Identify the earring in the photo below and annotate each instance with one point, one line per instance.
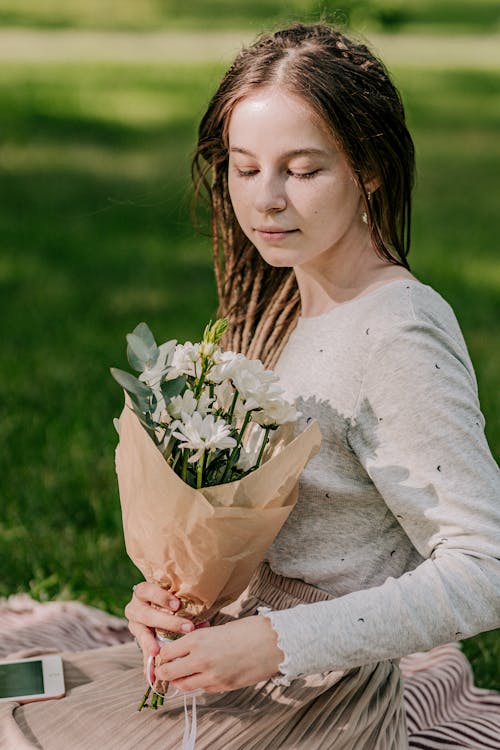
(364, 215)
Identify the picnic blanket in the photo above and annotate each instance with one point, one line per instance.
(444, 709)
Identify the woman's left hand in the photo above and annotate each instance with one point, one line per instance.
(223, 657)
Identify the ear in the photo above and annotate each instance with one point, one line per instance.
(371, 185)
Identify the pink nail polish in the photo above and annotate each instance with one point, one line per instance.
(187, 627)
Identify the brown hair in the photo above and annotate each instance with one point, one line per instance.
(351, 92)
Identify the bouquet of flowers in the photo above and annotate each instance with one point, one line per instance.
(204, 489)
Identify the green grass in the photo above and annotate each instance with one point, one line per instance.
(96, 236)
(418, 15)
(95, 231)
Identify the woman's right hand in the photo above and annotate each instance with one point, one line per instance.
(152, 607)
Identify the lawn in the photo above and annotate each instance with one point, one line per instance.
(392, 15)
(96, 236)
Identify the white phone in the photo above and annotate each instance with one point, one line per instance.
(36, 679)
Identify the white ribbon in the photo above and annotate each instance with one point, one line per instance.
(189, 739)
(190, 726)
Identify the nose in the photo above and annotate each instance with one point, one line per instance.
(270, 196)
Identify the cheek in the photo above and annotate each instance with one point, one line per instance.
(235, 194)
(331, 201)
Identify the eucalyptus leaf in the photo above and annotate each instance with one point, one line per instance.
(166, 351)
(143, 331)
(172, 388)
(144, 419)
(139, 354)
(167, 445)
(130, 383)
(141, 404)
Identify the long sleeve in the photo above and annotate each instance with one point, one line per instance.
(418, 433)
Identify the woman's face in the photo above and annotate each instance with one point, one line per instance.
(292, 191)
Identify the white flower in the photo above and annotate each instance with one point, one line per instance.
(253, 368)
(204, 402)
(186, 357)
(203, 434)
(226, 363)
(274, 412)
(255, 385)
(185, 403)
(253, 382)
(224, 395)
(209, 350)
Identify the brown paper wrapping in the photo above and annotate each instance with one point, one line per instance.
(203, 545)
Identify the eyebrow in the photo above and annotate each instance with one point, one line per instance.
(293, 152)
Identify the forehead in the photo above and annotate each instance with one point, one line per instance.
(275, 117)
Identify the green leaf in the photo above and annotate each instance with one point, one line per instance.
(143, 332)
(167, 445)
(139, 353)
(130, 383)
(144, 419)
(172, 388)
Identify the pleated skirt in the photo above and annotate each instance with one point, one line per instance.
(358, 709)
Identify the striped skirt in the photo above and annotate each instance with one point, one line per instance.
(359, 709)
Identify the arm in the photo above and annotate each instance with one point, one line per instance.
(418, 433)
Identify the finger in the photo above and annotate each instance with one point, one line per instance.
(177, 649)
(145, 614)
(155, 594)
(179, 669)
(146, 640)
(193, 682)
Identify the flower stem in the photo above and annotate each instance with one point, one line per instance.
(144, 701)
(199, 386)
(185, 457)
(233, 406)
(156, 701)
(199, 471)
(262, 447)
(232, 457)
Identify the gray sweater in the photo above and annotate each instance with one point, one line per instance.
(399, 514)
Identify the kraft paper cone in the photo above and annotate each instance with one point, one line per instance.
(203, 545)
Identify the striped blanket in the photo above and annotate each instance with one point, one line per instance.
(444, 709)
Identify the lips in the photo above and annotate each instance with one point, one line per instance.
(274, 233)
(272, 230)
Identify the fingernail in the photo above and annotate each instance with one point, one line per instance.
(187, 627)
(174, 604)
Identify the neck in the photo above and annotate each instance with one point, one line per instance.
(329, 281)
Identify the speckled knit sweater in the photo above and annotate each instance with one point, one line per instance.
(399, 514)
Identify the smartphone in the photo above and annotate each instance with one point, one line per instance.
(36, 679)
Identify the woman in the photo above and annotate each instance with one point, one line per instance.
(394, 544)
(396, 529)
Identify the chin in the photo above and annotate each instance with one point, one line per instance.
(278, 259)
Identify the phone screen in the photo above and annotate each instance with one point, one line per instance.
(21, 678)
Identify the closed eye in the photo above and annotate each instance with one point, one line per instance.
(246, 172)
(303, 175)
(290, 173)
